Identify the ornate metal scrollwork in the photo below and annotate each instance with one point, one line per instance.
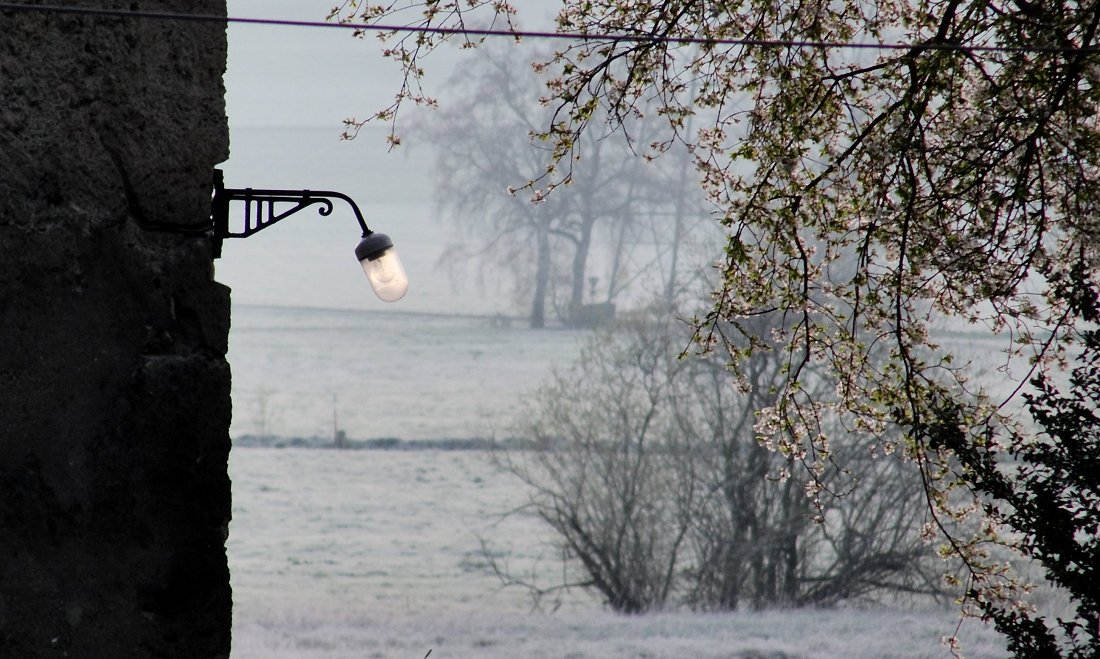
(260, 209)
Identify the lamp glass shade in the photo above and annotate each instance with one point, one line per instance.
(386, 275)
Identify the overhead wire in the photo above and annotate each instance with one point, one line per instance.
(536, 34)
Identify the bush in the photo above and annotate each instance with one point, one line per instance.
(647, 468)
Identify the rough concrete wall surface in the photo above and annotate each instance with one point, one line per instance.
(114, 389)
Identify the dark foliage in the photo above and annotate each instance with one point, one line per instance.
(1046, 489)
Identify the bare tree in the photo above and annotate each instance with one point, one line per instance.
(485, 151)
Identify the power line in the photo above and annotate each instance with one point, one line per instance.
(529, 34)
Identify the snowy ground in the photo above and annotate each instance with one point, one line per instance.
(375, 554)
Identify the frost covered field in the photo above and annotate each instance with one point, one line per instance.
(371, 554)
(383, 374)
(375, 554)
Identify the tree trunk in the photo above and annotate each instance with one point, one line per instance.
(580, 266)
(542, 276)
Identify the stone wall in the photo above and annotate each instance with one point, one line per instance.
(114, 389)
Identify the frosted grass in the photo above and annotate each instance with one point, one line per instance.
(375, 554)
(856, 635)
(384, 374)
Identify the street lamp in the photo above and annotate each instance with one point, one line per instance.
(375, 251)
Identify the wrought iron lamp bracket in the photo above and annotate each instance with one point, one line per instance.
(260, 209)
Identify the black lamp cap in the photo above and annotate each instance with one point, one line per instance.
(372, 246)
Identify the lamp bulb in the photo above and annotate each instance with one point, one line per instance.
(387, 276)
(382, 266)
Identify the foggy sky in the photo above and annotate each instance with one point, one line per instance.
(287, 93)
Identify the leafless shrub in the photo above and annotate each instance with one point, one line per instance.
(647, 467)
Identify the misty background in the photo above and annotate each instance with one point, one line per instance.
(298, 372)
(385, 554)
(353, 362)
(288, 91)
